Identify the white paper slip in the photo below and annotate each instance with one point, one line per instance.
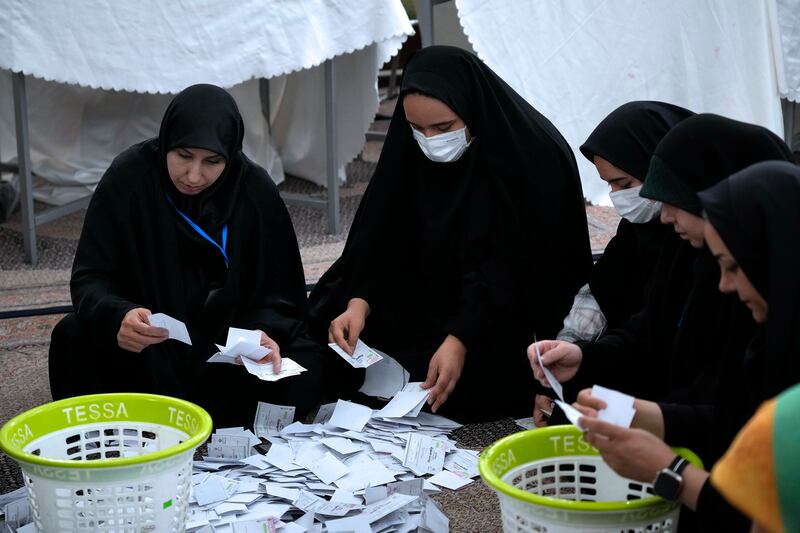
(363, 356)
(573, 415)
(551, 379)
(271, 419)
(266, 525)
(352, 524)
(352, 416)
(525, 423)
(244, 343)
(462, 462)
(346, 496)
(229, 507)
(310, 503)
(385, 378)
(403, 403)
(449, 480)
(433, 519)
(214, 489)
(324, 413)
(415, 386)
(341, 445)
(619, 406)
(379, 509)
(266, 371)
(424, 455)
(327, 468)
(177, 329)
(363, 475)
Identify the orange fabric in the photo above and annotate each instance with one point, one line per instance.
(745, 475)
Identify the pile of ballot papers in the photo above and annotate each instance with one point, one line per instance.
(352, 469)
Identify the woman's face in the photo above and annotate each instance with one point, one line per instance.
(430, 116)
(688, 226)
(617, 179)
(732, 278)
(193, 170)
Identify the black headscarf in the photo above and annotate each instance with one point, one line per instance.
(701, 151)
(757, 214)
(514, 196)
(205, 116)
(687, 327)
(627, 138)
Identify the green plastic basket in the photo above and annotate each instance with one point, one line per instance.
(550, 479)
(108, 462)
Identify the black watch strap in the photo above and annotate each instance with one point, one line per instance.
(678, 464)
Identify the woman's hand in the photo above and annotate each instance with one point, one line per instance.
(542, 410)
(560, 357)
(587, 404)
(274, 355)
(444, 371)
(648, 414)
(135, 332)
(632, 453)
(346, 328)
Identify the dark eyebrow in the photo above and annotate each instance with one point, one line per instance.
(437, 125)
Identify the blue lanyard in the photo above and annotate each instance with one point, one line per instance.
(203, 234)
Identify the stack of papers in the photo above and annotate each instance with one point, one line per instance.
(245, 345)
(352, 469)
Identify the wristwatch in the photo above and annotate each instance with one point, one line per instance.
(669, 481)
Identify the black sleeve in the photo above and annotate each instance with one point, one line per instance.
(487, 292)
(97, 271)
(278, 305)
(618, 360)
(688, 426)
(714, 513)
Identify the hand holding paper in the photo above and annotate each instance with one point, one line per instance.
(561, 359)
(247, 347)
(362, 357)
(347, 327)
(139, 329)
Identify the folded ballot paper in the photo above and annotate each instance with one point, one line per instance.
(246, 345)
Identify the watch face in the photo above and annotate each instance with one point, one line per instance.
(667, 485)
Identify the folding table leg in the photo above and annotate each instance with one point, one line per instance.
(24, 163)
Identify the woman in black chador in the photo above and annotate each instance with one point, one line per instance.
(185, 224)
(470, 238)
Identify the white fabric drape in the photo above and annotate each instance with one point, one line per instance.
(577, 60)
(151, 46)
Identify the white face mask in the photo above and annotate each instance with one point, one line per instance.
(633, 207)
(445, 147)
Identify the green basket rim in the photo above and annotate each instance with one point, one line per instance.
(494, 481)
(204, 430)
